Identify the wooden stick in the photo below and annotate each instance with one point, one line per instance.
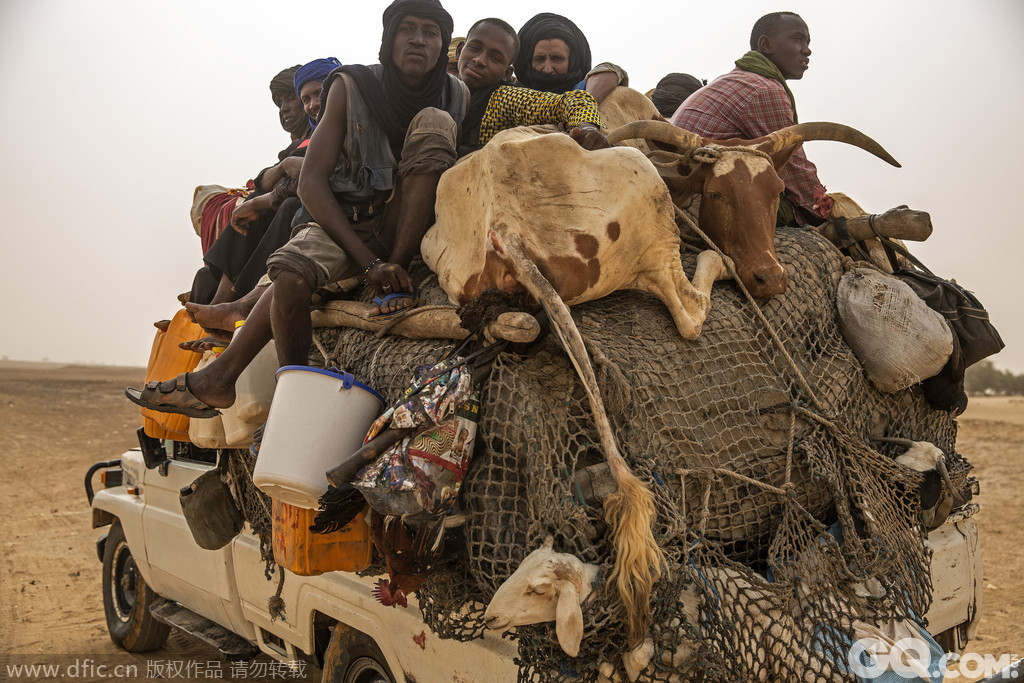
(899, 223)
(346, 471)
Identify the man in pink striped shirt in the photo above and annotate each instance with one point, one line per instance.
(754, 100)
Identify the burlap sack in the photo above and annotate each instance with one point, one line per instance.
(893, 333)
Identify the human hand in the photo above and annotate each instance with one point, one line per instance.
(291, 166)
(244, 214)
(589, 137)
(388, 278)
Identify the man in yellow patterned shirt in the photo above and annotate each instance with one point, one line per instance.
(485, 62)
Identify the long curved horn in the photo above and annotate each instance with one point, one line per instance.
(940, 465)
(819, 130)
(659, 131)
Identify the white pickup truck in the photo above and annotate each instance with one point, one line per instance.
(156, 577)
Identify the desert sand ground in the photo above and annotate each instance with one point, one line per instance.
(57, 420)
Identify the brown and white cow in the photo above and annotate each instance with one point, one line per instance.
(739, 186)
(534, 211)
(592, 222)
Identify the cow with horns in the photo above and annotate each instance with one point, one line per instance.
(739, 186)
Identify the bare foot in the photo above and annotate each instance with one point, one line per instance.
(218, 338)
(403, 300)
(220, 317)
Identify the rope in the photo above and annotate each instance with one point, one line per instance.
(708, 154)
(320, 348)
(789, 447)
(784, 491)
(405, 313)
(768, 327)
(275, 604)
(702, 523)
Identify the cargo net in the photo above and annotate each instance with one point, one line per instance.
(254, 505)
(785, 527)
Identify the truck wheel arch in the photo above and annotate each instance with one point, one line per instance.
(354, 657)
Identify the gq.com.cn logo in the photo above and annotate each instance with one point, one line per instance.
(912, 658)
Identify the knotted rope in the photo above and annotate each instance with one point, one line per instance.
(708, 154)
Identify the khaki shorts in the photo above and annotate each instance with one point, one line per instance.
(317, 259)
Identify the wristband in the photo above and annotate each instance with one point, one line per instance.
(374, 262)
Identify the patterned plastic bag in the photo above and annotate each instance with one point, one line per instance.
(423, 472)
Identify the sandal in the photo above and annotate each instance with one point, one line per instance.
(381, 300)
(178, 400)
(257, 440)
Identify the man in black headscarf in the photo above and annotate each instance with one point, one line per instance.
(672, 90)
(293, 118)
(386, 134)
(554, 56)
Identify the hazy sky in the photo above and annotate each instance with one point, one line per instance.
(116, 109)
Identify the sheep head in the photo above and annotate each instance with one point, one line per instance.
(930, 461)
(547, 586)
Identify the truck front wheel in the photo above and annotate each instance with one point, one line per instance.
(127, 598)
(353, 657)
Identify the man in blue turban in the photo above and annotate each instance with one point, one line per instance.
(309, 79)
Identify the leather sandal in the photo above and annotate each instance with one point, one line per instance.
(178, 400)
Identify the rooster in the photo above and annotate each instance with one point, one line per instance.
(385, 596)
(409, 555)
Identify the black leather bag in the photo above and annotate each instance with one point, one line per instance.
(974, 335)
(210, 510)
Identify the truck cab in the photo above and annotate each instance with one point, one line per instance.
(156, 577)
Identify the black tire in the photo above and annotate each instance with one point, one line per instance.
(353, 657)
(127, 599)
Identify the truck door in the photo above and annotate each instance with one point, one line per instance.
(200, 580)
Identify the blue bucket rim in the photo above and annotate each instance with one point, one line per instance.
(333, 374)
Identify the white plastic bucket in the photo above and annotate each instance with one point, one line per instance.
(317, 419)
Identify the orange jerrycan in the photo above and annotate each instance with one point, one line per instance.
(302, 552)
(167, 361)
